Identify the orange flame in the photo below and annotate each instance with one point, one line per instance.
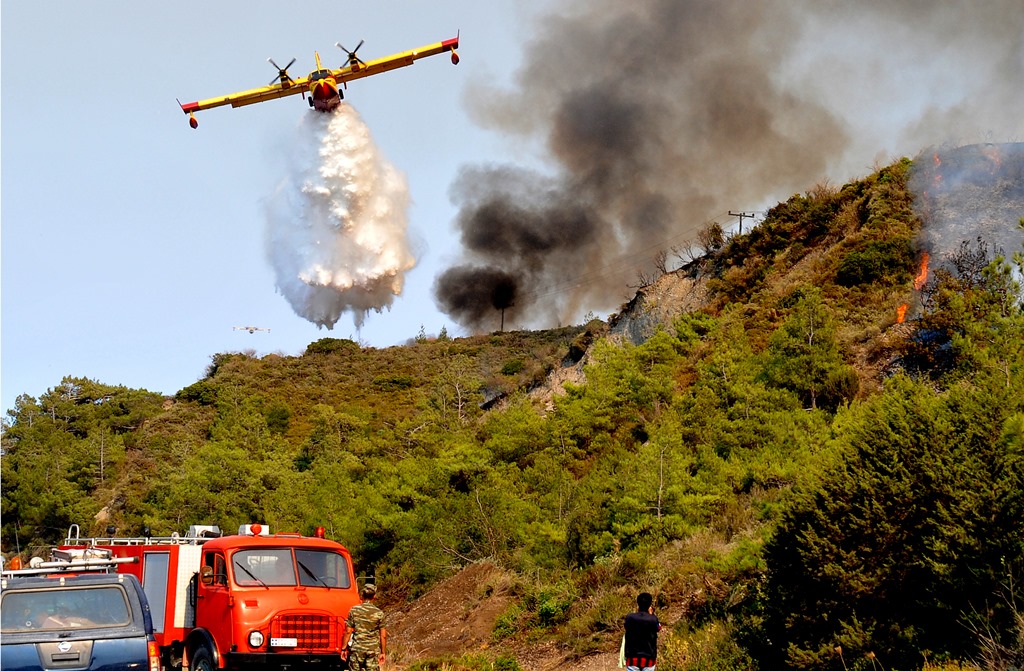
(919, 282)
(922, 274)
(993, 155)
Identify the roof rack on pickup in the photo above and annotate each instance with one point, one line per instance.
(71, 561)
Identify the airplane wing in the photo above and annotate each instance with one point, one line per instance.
(291, 88)
(395, 61)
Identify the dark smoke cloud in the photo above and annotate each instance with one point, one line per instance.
(474, 294)
(658, 116)
(527, 231)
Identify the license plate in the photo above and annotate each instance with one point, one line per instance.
(284, 642)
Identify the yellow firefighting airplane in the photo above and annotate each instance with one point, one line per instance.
(322, 84)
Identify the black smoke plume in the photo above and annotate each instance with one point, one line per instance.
(656, 117)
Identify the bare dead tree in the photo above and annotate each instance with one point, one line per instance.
(823, 191)
(686, 252)
(711, 237)
(661, 261)
(643, 279)
(682, 252)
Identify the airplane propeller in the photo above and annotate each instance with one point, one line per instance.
(353, 60)
(282, 73)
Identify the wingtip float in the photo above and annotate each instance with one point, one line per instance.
(323, 85)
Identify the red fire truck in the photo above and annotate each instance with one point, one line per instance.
(251, 600)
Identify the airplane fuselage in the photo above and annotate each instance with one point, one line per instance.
(323, 91)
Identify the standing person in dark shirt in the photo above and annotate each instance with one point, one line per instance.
(641, 640)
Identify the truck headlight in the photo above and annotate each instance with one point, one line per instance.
(255, 639)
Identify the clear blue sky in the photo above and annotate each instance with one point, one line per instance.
(132, 244)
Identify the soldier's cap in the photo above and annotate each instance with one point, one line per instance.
(369, 590)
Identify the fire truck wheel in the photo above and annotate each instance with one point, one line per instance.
(202, 660)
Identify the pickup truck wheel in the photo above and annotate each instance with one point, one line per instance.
(202, 660)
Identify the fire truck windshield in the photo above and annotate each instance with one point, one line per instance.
(270, 567)
(319, 568)
(264, 567)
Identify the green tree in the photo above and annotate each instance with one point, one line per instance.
(62, 454)
(915, 525)
(456, 392)
(332, 433)
(803, 355)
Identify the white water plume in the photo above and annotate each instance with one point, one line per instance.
(336, 225)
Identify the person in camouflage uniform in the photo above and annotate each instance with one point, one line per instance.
(367, 637)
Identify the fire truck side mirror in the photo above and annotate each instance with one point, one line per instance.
(206, 575)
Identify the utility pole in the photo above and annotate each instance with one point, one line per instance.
(503, 315)
(742, 216)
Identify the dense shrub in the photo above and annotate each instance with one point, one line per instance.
(329, 345)
(888, 261)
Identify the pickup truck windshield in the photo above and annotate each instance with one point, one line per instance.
(71, 608)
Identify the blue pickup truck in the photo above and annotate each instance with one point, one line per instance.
(77, 622)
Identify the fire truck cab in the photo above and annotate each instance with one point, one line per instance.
(249, 600)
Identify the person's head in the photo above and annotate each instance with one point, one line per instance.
(369, 591)
(643, 601)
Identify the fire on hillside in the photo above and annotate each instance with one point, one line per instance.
(967, 193)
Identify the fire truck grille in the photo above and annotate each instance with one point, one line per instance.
(313, 632)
